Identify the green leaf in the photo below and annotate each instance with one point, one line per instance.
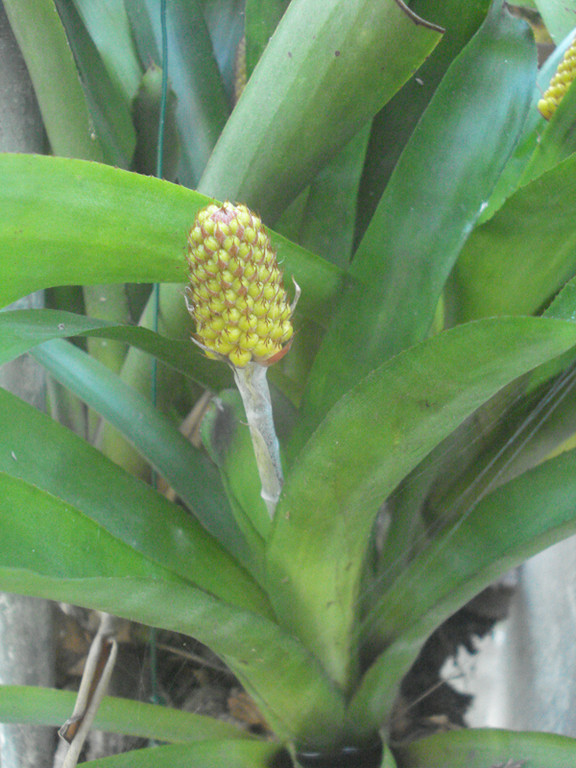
(262, 17)
(109, 107)
(513, 432)
(187, 469)
(558, 16)
(21, 330)
(44, 534)
(224, 754)
(516, 261)
(330, 212)
(107, 24)
(482, 747)
(126, 508)
(146, 109)
(202, 107)
(532, 130)
(53, 72)
(367, 444)
(67, 222)
(446, 172)
(46, 706)
(327, 70)
(225, 19)
(395, 123)
(504, 529)
(55, 552)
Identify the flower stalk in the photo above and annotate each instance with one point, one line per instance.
(242, 316)
(253, 387)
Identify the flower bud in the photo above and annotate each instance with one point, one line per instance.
(236, 295)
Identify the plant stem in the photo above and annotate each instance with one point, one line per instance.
(95, 678)
(253, 387)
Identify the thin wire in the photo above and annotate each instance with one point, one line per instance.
(155, 696)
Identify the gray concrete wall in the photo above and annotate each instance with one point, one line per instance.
(540, 647)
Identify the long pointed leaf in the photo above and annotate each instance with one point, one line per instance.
(330, 213)
(395, 123)
(508, 526)
(49, 549)
(187, 469)
(128, 509)
(478, 748)
(108, 26)
(49, 60)
(109, 108)
(262, 17)
(202, 107)
(21, 330)
(327, 70)
(46, 706)
(514, 174)
(368, 442)
(428, 209)
(516, 261)
(224, 754)
(67, 222)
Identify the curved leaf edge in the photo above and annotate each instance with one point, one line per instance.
(51, 707)
(377, 690)
(480, 747)
(207, 754)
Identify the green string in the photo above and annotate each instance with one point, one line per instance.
(155, 696)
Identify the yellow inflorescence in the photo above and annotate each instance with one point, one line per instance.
(236, 294)
(559, 84)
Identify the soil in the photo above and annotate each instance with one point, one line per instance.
(429, 704)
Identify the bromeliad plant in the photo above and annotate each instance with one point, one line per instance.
(430, 214)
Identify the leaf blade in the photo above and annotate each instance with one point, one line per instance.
(368, 442)
(516, 261)
(500, 532)
(188, 471)
(227, 754)
(129, 510)
(490, 747)
(56, 552)
(22, 330)
(47, 706)
(49, 60)
(68, 222)
(427, 210)
(326, 71)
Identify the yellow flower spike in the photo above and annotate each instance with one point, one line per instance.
(559, 84)
(234, 274)
(242, 315)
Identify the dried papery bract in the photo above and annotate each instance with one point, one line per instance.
(242, 315)
(559, 84)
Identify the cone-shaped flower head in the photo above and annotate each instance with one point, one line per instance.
(236, 295)
(559, 84)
